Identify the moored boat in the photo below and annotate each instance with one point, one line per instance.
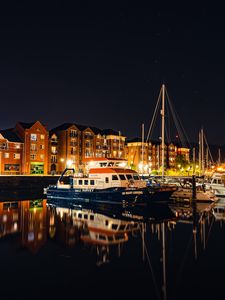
(187, 194)
(217, 184)
(107, 181)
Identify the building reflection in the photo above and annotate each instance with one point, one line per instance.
(105, 230)
(27, 218)
(33, 224)
(10, 218)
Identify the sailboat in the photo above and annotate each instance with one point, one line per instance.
(166, 189)
(177, 193)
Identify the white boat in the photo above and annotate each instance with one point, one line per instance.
(217, 184)
(107, 181)
(201, 195)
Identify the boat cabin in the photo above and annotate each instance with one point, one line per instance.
(104, 174)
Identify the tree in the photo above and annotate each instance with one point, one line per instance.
(181, 162)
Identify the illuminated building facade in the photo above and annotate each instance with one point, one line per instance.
(146, 157)
(11, 153)
(71, 144)
(35, 147)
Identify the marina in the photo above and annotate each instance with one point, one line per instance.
(112, 152)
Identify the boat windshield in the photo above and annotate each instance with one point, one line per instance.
(136, 177)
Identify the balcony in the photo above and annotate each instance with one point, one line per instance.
(54, 152)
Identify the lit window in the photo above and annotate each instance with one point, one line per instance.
(53, 148)
(42, 156)
(42, 146)
(33, 147)
(33, 156)
(33, 137)
(6, 155)
(42, 136)
(16, 155)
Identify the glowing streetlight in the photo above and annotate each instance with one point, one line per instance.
(69, 163)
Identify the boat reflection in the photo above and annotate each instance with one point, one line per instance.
(219, 210)
(108, 233)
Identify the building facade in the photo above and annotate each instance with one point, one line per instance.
(35, 147)
(71, 144)
(147, 157)
(11, 153)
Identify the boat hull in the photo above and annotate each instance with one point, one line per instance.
(113, 196)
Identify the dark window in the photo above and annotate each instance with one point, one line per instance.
(114, 177)
(85, 182)
(107, 180)
(92, 218)
(129, 176)
(114, 226)
(92, 182)
(122, 177)
(80, 182)
(122, 227)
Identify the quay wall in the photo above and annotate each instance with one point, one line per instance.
(20, 182)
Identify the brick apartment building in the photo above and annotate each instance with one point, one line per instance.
(35, 150)
(150, 158)
(11, 152)
(74, 143)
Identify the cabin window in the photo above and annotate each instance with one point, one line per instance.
(122, 227)
(107, 180)
(85, 217)
(85, 182)
(106, 222)
(103, 164)
(136, 177)
(119, 237)
(80, 182)
(122, 177)
(92, 182)
(102, 237)
(80, 216)
(129, 176)
(219, 181)
(114, 226)
(110, 238)
(110, 164)
(92, 218)
(114, 177)
(75, 182)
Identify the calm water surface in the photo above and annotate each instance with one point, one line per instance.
(165, 251)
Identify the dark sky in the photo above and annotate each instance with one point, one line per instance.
(104, 65)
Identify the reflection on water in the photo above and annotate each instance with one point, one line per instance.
(158, 246)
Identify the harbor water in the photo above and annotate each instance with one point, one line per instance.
(68, 250)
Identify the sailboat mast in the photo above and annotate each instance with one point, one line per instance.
(142, 142)
(200, 154)
(219, 157)
(202, 149)
(194, 161)
(163, 127)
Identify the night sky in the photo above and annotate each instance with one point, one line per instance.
(104, 65)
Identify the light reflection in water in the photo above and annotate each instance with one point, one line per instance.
(107, 232)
